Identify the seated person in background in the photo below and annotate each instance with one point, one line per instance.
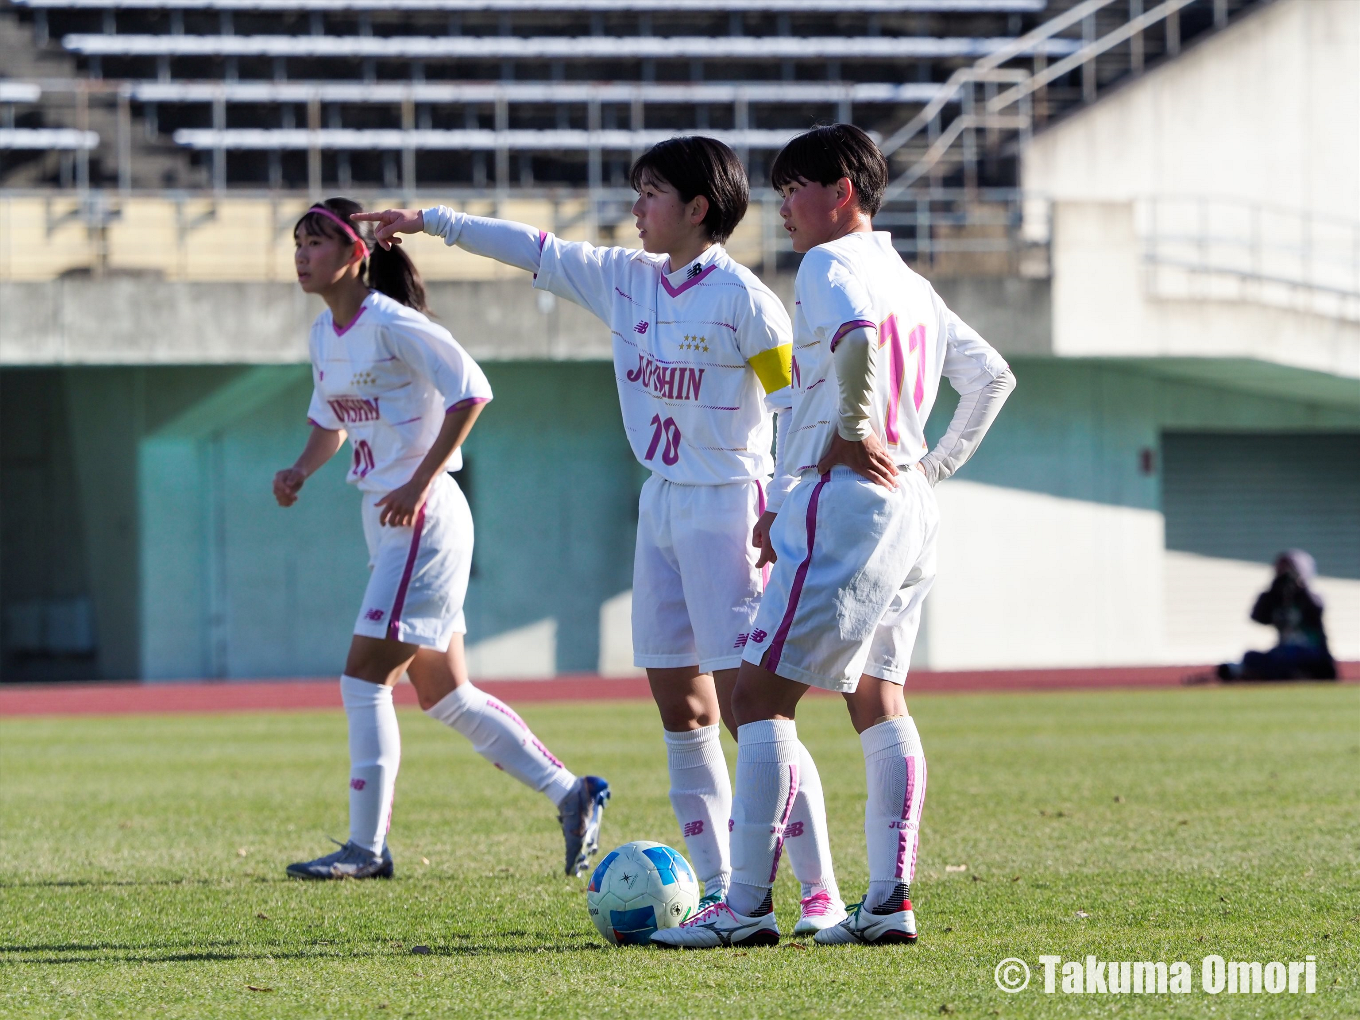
(1295, 610)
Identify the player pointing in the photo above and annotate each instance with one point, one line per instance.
(406, 395)
(701, 358)
(856, 538)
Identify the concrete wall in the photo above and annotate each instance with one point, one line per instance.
(1071, 567)
(138, 321)
(1265, 111)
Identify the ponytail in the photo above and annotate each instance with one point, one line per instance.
(389, 271)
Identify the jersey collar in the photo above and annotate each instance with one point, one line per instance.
(692, 272)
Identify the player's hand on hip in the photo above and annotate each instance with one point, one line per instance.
(400, 506)
(391, 222)
(868, 457)
(287, 484)
(760, 538)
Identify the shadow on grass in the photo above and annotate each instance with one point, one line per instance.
(130, 954)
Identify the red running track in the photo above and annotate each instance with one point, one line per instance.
(275, 695)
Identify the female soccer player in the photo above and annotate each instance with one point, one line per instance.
(406, 394)
(701, 358)
(856, 541)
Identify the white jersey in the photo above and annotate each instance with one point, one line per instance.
(698, 353)
(857, 281)
(388, 379)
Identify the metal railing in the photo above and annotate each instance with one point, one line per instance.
(1234, 250)
(1006, 103)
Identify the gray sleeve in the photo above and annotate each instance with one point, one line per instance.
(972, 418)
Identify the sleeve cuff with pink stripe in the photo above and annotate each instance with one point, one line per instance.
(847, 327)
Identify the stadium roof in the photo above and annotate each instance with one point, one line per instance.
(774, 47)
(568, 6)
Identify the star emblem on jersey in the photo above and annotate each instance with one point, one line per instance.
(694, 343)
(363, 379)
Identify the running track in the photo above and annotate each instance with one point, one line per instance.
(274, 695)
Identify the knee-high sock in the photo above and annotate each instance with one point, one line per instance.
(701, 794)
(768, 754)
(374, 757)
(500, 736)
(805, 837)
(895, 769)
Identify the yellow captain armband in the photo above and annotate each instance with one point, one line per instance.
(774, 367)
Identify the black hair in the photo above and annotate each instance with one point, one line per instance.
(826, 154)
(694, 165)
(389, 271)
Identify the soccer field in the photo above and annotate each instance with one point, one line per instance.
(143, 861)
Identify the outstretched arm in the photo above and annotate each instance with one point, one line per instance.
(515, 244)
(321, 446)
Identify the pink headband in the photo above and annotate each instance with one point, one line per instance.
(353, 235)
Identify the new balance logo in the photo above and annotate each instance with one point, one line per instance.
(694, 271)
(741, 640)
(793, 829)
(758, 636)
(357, 784)
(693, 829)
(641, 327)
(374, 615)
(731, 824)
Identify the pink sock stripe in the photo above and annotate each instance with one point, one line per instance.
(506, 710)
(784, 820)
(902, 832)
(848, 327)
(916, 814)
(394, 625)
(782, 633)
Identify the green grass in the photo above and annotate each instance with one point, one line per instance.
(141, 865)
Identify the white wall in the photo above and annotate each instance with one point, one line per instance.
(1267, 111)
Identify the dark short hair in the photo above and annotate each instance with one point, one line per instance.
(693, 166)
(826, 154)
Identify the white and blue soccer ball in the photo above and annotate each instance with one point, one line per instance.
(638, 888)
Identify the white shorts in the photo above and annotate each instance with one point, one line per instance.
(856, 562)
(419, 574)
(695, 582)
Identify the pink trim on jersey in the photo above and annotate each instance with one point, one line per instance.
(847, 327)
(342, 330)
(394, 625)
(542, 240)
(467, 402)
(799, 577)
(692, 281)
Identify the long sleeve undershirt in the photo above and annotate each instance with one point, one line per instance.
(855, 370)
(972, 418)
(782, 483)
(515, 244)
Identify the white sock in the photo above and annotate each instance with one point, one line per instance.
(805, 837)
(374, 757)
(895, 769)
(504, 739)
(701, 794)
(768, 753)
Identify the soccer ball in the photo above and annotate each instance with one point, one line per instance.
(639, 888)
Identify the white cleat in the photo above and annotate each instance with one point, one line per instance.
(890, 922)
(719, 925)
(819, 911)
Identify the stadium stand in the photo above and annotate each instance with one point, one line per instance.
(520, 96)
